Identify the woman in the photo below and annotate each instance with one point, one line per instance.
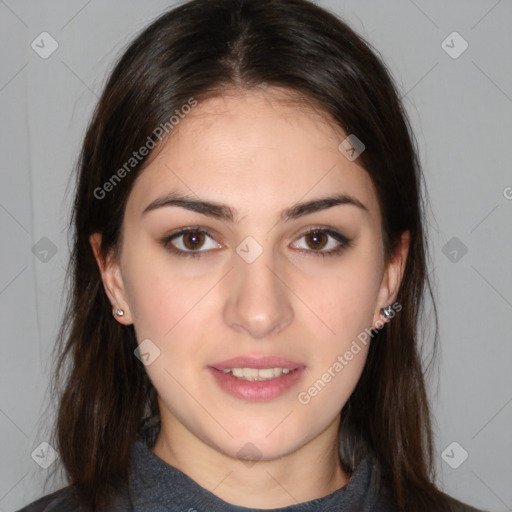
(247, 274)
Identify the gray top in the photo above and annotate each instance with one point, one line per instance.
(156, 486)
(159, 487)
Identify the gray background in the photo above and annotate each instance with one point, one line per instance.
(461, 113)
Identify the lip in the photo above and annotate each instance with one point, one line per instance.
(256, 391)
(257, 362)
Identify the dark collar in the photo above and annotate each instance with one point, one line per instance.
(156, 485)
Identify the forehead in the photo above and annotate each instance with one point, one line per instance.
(256, 150)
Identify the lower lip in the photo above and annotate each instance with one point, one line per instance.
(256, 390)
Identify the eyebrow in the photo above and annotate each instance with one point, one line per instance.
(224, 212)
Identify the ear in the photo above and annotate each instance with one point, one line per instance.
(392, 278)
(112, 280)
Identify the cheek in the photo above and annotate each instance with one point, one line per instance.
(151, 302)
(161, 297)
(345, 301)
(164, 312)
(177, 314)
(339, 358)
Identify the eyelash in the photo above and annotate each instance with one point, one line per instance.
(345, 242)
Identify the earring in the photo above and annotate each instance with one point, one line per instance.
(388, 312)
(119, 312)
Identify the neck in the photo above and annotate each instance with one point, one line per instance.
(310, 472)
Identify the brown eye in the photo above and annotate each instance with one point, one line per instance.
(190, 242)
(318, 240)
(324, 242)
(193, 240)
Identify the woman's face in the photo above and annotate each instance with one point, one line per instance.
(248, 288)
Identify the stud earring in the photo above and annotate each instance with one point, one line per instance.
(118, 312)
(388, 312)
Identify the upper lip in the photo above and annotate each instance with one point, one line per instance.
(257, 362)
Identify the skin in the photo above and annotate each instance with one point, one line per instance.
(259, 153)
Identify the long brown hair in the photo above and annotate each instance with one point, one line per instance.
(197, 50)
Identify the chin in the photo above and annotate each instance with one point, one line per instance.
(268, 446)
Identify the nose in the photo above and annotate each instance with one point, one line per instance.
(258, 302)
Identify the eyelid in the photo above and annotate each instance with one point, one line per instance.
(343, 241)
(329, 231)
(166, 240)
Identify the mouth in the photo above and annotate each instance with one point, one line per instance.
(257, 379)
(257, 374)
(260, 363)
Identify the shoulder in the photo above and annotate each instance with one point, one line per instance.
(385, 502)
(458, 506)
(57, 501)
(64, 500)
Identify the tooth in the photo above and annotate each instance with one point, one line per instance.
(255, 374)
(238, 372)
(267, 373)
(250, 373)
